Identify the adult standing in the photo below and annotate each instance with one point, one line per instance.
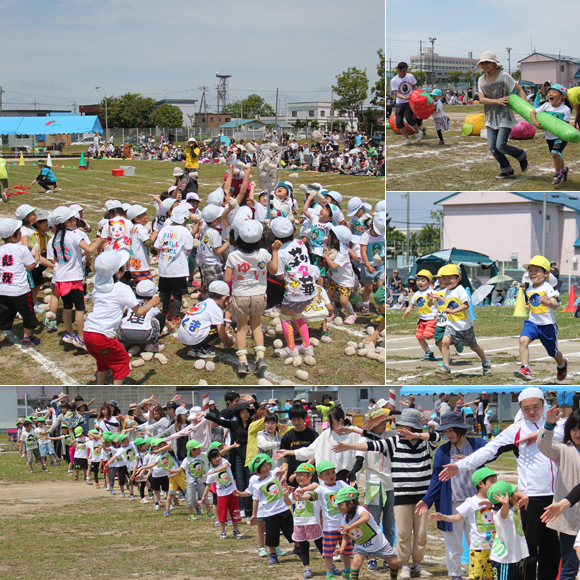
(96, 142)
(105, 420)
(555, 271)
(171, 137)
(438, 404)
(395, 283)
(403, 85)
(495, 86)
(536, 473)
(192, 156)
(480, 406)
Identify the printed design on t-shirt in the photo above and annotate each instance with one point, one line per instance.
(453, 303)
(359, 227)
(362, 534)
(316, 305)
(68, 439)
(166, 462)
(118, 236)
(223, 479)
(518, 522)
(130, 454)
(80, 444)
(331, 503)
(169, 247)
(31, 440)
(499, 548)
(484, 522)
(377, 249)
(196, 469)
(404, 88)
(60, 256)
(97, 449)
(303, 509)
(272, 491)
(189, 322)
(535, 306)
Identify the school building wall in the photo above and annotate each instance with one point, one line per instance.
(539, 69)
(123, 395)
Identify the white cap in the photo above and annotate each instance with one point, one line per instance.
(531, 393)
(290, 185)
(191, 139)
(186, 205)
(251, 231)
(282, 227)
(212, 402)
(112, 204)
(354, 204)
(216, 197)
(381, 403)
(171, 189)
(135, 211)
(344, 236)
(126, 206)
(179, 214)
(334, 195)
(181, 411)
(379, 224)
(177, 172)
(195, 410)
(8, 226)
(76, 207)
(61, 214)
(242, 215)
(192, 195)
(146, 288)
(210, 213)
(107, 264)
(166, 205)
(219, 287)
(381, 207)
(23, 210)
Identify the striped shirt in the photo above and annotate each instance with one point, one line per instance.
(410, 465)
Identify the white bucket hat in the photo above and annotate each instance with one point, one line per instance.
(219, 287)
(146, 288)
(251, 231)
(354, 204)
(107, 265)
(282, 227)
(112, 204)
(193, 196)
(210, 213)
(334, 195)
(8, 226)
(216, 197)
(61, 214)
(23, 210)
(344, 236)
(166, 205)
(177, 172)
(179, 214)
(488, 56)
(135, 211)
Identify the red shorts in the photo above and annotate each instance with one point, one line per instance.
(229, 503)
(425, 328)
(109, 354)
(105, 466)
(329, 541)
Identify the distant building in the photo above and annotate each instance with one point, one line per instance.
(187, 107)
(244, 129)
(540, 67)
(442, 65)
(211, 122)
(318, 111)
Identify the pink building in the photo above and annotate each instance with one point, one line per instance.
(508, 226)
(541, 67)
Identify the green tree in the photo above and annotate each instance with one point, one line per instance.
(454, 77)
(378, 91)
(128, 111)
(167, 116)
(251, 107)
(517, 74)
(351, 91)
(430, 234)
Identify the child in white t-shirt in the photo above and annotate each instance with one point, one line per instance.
(246, 268)
(81, 456)
(139, 264)
(320, 308)
(195, 468)
(211, 246)
(372, 252)
(439, 117)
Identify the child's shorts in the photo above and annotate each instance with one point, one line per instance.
(177, 286)
(228, 503)
(307, 533)
(72, 294)
(441, 123)
(557, 146)
(425, 328)
(298, 306)
(80, 463)
(24, 305)
(177, 481)
(380, 295)
(547, 334)
(387, 552)
(466, 337)
(109, 354)
(140, 276)
(160, 483)
(366, 277)
(329, 541)
(46, 448)
(194, 493)
(480, 564)
(514, 571)
(340, 290)
(282, 522)
(211, 273)
(242, 306)
(32, 454)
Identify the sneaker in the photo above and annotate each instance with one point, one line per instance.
(502, 175)
(4, 197)
(44, 469)
(486, 368)
(32, 471)
(280, 552)
(38, 309)
(346, 574)
(97, 486)
(108, 488)
(29, 341)
(193, 352)
(332, 316)
(444, 370)
(144, 500)
(68, 338)
(196, 283)
(157, 507)
(207, 352)
(563, 372)
(191, 518)
(419, 136)
(79, 342)
(335, 570)
(428, 356)
(285, 352)
(307, 573)
(243, 368)
(166, 513)
(198, 511)
(223, 536)
(122, 494)
(209, 515)
(372, 566)
(459, 347)
(113, 492)
(407, 142)
(564, 174)
(262, 552)
(151, 496)
(261, 365)
(524, 167)
(306, 350)
(237, 534)
(441, 143)
(350, 319)
(89, 482)
(155, 347)
(131, 497)
(216, 523)
(557, 179)
(50, 324)
(48, 191)
(273, 559)
(366, 308)
(405, 572)
(171, 506)
(523, 373)
(418, 572)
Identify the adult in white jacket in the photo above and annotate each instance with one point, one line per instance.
(321, 448)
(536, 477)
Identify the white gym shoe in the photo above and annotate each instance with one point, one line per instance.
(285, 352)
(407, 142)
(155, 347)
(418, 572)
(419, 135)
(405, 572)
(306, 350)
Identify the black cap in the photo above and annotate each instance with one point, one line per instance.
(171, 405)
(114, 403)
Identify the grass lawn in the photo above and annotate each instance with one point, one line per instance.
(106, 536)
(464, 163)
(91, 189)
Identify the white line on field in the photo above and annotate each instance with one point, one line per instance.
(49, 365)
(358, 333)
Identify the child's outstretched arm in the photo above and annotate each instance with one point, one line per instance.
(273, 263)
(437, 517)
(409, 309)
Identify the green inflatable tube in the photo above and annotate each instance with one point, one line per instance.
(556, 126)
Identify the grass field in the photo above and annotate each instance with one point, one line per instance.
(497, 331)
(464, 163)
(57, 363)
(106, 536)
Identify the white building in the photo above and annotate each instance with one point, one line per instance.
(317, 111)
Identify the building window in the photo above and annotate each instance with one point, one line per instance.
(311, 113)
(363, 394)
(322, 113)
(295, 114)
(228, 119)
(211, 119)
(547, 224)
(561, 68)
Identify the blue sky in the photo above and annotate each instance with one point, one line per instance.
(422, 202)
(57, 52)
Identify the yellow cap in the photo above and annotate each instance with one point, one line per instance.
(539, 261)
(425, 274)
(449, 270)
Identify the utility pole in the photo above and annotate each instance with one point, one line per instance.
(509, 60)
(544, 224)
(408, 196)
(421, 55)
(1, 93)
(276, 115)
(432, 41)
(331, 109)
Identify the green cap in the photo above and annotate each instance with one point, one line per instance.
(94, 431)
(481, 474)
(500, 487)
(139, 441)
(306, 468)
(41, 419)
(192, 444)
(324, 465)
(30, 418)
(149, 440)
(122, 437)
(214, 445)
(258, 461)
(345, 494)
(78, 431)
(107, 436)
(157, 441)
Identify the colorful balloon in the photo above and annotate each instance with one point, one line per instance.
(523, 130)
(422, 104)
(477, 121)
(392, 124)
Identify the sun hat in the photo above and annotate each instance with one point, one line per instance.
(121, 437)
(410, 418)
(284, 186)
(166, 205)
(374, 417)
(425, 274)
(41, 419)
(192, 444)
(344, 236)
(531, 393)
(251, 231)
(381, 207)
(196, 409)
(216, 197)
(219, 287)
(171, 189)
(379, 224)
(258, 461)
(539, 261)
(179, 214)
(324, 465)
(487, 56)
(282, 227)
(305, 468)
(177, 172)
(354, 204)
(107, 265)
(290, 185)
(126, 206)
(450, 420)
(42, 214)
(78, 431)
(314, 271)
(8, 226)
(436, 92)
(139, 441)
(76, 207)
(243, 215)
(212, 402)
(135, 211)
(193, 196)
(561, 88)
(112, 204)
(146, 288)
(345, 494)
(334, 195)
(481, 474)
(449, 270)
(500, 487)
(210, 213)
(61, 214)
(23, 210)
(180, 411)
(191, 139)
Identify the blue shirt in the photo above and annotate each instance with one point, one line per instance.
(46, 172)
(358, 140)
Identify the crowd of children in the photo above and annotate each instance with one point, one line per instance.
(303, 264)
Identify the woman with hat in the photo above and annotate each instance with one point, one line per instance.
(495, 86)
(448, 495)
(192, 156)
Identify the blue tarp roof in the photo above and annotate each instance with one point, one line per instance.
(50, 125)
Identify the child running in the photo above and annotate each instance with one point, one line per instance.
(439, 117)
